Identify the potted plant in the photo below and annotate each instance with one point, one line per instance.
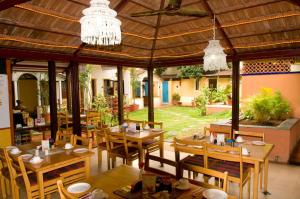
(175, 98)
(100, 104)
(44, 96)
(134, 85)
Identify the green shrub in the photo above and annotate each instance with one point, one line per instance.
(176, 97)
(267, 105)
(201, 101)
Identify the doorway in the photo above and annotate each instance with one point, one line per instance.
(165, 92)
(28, 91)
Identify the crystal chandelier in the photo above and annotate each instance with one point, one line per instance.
(214, 56)
(99, 25)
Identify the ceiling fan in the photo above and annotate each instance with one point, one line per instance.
(173, 8)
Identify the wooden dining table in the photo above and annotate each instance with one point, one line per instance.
(258, 156)
(144, 135)
(56, 159)
(125, 175)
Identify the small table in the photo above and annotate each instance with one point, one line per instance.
(258, 155)
(53, 162)
(122, 176)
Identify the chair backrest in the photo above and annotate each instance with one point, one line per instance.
(63, 137)
(160, 160)
(3, 162)
(227, 133)
(255, 135)
(63, 193)
(93, 118)
(25, 176)
(221, 177)
(85, 141)
(206, 131)
(153, 124)
(114, 140)
(141, 122)
(225, 153)
(12, 166)
(195, 147)
(62, 118)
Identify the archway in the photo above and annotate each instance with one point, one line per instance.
(28, 91)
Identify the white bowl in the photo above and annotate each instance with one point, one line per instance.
(214, 194)
(80, 150)
(35, 160)
(80, 187)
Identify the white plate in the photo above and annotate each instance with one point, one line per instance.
(182, 187)
(11, 147)
(258, 143)
(16, 152)
(26, 156)
(68, 148)
(37, 162)
(156, 130)
(81, 150)
(79, 188)
(214, 194)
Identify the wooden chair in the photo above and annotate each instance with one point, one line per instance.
(206, 131)
(92, 122)
(193, 147)
(152, 145)
(117, 146)
(62, 138)
(222, 177)
(64, 125)
(4, 175)
(30, 181)
(63, 193)
(101, 143)
(227, 133)
(229, 159)
(76, 172)
(87, 142)
(253, 136)
(159, 171)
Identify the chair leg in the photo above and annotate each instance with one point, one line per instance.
(129, 162)
(261, 179)
(108, 162)
(249, 187)
(124, 160)
(99, 157)
(3, 190)
(189, 174)
(241, 190)
(7, 185)
(113, 163)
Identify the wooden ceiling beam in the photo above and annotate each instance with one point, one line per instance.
(239, 7)
(141, 4)
(121, 5)
(219, 25)
(5, 4)
(29, 54)
(136, 21)
(295, 2)
(162, 3)
(79, 2)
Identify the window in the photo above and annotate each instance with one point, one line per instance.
(212, 83)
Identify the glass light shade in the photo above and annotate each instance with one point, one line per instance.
(99, 25)
(214, 57)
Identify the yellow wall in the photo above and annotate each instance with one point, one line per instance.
(5, 137)
(187, 87)
(28, 94)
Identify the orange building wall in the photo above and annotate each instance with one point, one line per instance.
(287, 84)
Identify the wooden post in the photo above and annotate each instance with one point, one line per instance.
(52, 97)
(235, 95)
(68, 88)
(150, 95)
(75, 98)
(120, 95)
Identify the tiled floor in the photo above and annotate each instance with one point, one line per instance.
(284, 180)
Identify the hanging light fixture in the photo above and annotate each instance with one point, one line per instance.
(99, 25)
(214, 56)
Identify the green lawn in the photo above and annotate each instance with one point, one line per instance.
(180, 121)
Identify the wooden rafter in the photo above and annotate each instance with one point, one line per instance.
(162, 3)
(10, 3)
(136, 20)
(120, 5)
(77, 51)
(218, 24)
(142, 4)
(79, 2)
(295, 2)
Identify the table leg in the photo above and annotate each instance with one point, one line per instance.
(40, 180)
(87, 167)
(141, 153)
(255, 180)
(161, 146)
(266, 170)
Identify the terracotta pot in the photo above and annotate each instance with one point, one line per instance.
(133, 107)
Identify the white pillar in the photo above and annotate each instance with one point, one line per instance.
(60, 92)
(16, 90)
(39, 91)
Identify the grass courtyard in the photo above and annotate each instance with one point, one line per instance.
(180, 121)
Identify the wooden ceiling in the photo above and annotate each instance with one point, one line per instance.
(50, 30)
